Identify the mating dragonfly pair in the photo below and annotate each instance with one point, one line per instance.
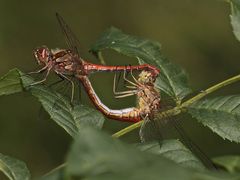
(67, 63)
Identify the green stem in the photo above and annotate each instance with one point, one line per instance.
(100, 57)
(178, 109)
(55, 169)
(127, 129)
(210, 90)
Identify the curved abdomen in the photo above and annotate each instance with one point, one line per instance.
(128, 114)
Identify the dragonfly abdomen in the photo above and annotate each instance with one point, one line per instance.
(128, 114)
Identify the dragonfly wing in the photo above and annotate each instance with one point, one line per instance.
(193, 147)
(158, 129)
(71, 39)
(149, 131)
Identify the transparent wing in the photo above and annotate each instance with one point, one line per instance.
(153, 129)
(191, 145)
(71, 39)
(156, 129)
(150, 131)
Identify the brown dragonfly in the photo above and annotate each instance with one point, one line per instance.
(149, 102)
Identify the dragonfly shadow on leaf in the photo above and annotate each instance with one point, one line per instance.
(63, 88)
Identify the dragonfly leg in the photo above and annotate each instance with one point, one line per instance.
(130, 87)
(72, 84)
(130, 82)
(38, 71)
(44, 79)
(122, 92)
(125, 95)
(134, 77)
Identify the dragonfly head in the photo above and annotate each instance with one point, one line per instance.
(146, 77)
(42, 55)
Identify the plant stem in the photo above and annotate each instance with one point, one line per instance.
(210, 90)
(178, 109)
(127, 129)
(55, 169)
(100, 57)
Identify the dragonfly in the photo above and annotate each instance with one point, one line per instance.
(149, 102)
(67, 63)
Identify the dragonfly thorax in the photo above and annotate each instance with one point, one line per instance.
(65, 62)
(148, 96)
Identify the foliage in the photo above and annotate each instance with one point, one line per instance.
(95, 155)
(174, 150)
(229, 162)
(172, 79)
(220, 114)
(13, 168)
(235, 18)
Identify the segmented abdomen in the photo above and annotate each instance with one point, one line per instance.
(128, 114)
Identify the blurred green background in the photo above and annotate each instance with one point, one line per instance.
(195, 34)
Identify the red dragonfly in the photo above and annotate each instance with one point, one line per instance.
(67, 62)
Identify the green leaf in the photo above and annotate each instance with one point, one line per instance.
(86, 116)
(10, 83)
(220, 114)
(95, 155)
(70, 118)
(13, 168)
(230, 162)
(173, 150)
(235, 18)
(172, 79)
